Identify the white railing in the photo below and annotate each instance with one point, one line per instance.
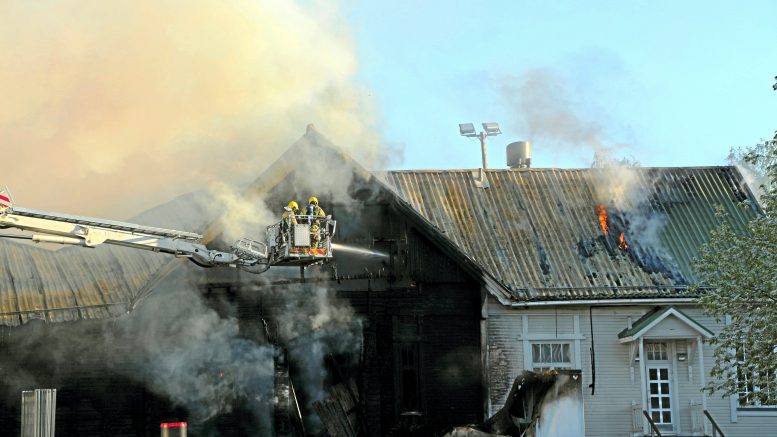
(697, 417)
(636, 419)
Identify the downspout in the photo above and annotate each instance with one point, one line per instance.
(592, 385)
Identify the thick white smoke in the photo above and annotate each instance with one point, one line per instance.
(314, 325)
(196, 358)
(112, 107)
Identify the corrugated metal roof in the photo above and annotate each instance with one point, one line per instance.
(71, 283)
(537, 231)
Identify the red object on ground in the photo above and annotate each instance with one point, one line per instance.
(173, 425)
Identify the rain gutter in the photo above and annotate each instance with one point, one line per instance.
(603, 302)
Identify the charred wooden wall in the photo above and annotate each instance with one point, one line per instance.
(424, 299)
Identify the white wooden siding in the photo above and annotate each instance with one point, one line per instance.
(505, 357)
(550, 324)
(608, 410)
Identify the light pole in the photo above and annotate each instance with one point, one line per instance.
(489, 130)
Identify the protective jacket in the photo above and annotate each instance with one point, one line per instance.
(315, 211)
(289, 217)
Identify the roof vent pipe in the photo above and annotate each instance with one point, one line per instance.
(519, 154)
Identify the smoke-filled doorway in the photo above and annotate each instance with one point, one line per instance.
(540, 404)
(546, 404)
(561, 411)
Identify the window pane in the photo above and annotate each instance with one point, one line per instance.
(653, 374)
(665, 388)
(551, 355)
(653, 388)
(666, 402)
(409, 390)
(656, 351)
(664, 374)
(556, 348)
(667, 416)
(654, 402)
(656, 416)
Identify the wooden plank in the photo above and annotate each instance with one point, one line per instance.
(338, 413)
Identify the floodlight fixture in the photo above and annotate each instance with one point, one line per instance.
(467, 130)
(491, 128)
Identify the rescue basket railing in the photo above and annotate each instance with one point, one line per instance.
(310, 238)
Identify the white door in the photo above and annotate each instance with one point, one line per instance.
(660, 397)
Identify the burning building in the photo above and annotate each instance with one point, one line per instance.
(444, 293)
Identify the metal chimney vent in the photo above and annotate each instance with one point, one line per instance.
(519, 154)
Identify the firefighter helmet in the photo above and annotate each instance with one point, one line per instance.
(293, 205)
(313, 200)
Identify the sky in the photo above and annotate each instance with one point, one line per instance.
(664, 83)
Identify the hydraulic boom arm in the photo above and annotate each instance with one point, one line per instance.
(52, 227)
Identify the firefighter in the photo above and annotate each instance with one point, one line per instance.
(289, 218)
(313, 208)
(316, 213)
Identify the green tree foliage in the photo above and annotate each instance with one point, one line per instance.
(741, 270)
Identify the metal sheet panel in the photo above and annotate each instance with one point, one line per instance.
(302, 235)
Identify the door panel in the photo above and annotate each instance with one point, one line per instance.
(660, 397)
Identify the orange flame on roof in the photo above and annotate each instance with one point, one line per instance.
(603, 218)
(622, 244)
